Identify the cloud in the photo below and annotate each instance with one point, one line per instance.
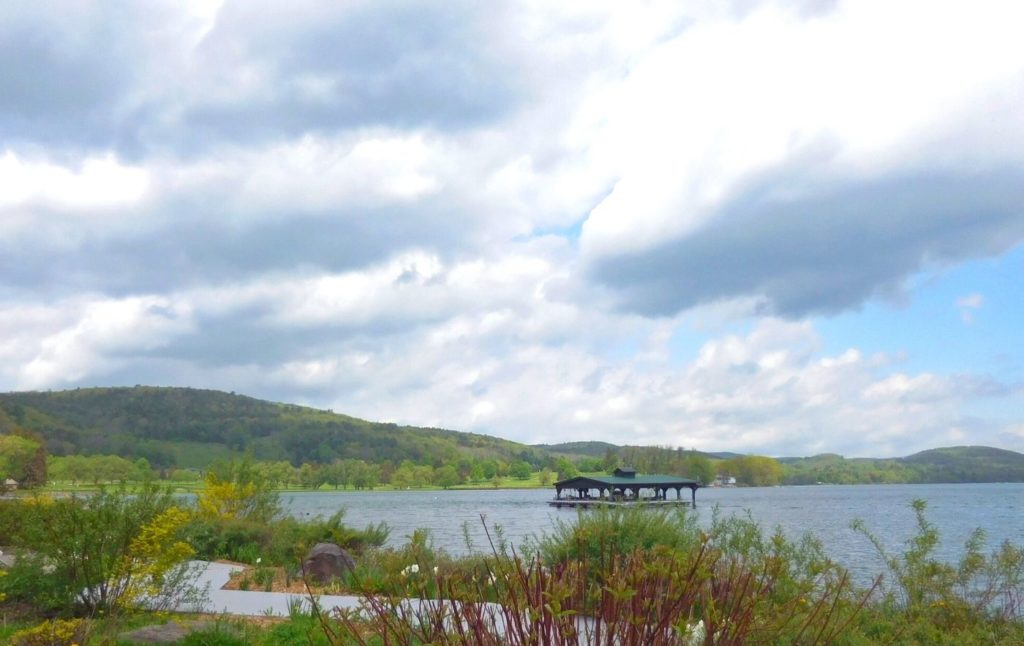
(967, 305)
(476, 356)
(822, 253)
(545, 221)
(160, 78)
(813, 164)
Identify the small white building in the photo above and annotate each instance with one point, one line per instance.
(724, 481)
(10, 484)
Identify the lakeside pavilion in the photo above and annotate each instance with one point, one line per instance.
(623, 486)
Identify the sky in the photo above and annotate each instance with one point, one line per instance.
(783, 228)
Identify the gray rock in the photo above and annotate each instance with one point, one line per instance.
(327, 561)
(170, 633)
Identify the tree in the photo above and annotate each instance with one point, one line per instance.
(142, 469)
(490, 468)
(16, 456)
(565, 469)
(364, 475)
(447, 477)
(611, 459)
(112, 468)
(73, 468)
(700, 468)
(34, 474)
(476, 473)
(546, 477)
(755, 470)
(402, 477)
(422, 476)
(520, 470)
(311, 477)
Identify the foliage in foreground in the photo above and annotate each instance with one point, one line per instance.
(978, 599)
(730, 584)
(98, 554)
(588, 585)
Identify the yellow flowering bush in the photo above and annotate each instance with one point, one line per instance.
(60, 632)
(237, 491)
(104, 552)
(225, 498)
(154, 552)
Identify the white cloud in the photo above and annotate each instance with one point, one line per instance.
(96, 182)
(967, 305)
(88, 338)
(731, 116)
(417, 219)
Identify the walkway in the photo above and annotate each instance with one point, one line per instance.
(275, 604)
(252, 603)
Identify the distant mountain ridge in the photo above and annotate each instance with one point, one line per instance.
(947, 464)
(599, 449)
(191, 427)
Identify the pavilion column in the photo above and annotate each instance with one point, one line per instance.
(693, 497)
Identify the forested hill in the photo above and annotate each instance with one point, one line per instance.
(190, 428)
(951, 464)
(968, 464)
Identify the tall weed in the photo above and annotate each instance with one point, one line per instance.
(578, 587)
(980, 596)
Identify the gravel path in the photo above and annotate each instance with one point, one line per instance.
(253, 603)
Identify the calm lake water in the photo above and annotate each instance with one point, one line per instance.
(825, 511)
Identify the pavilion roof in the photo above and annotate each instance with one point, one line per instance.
(650, 480)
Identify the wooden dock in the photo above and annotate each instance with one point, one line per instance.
(586, 503)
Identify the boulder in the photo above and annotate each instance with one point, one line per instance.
(327, 561)
(170, 633)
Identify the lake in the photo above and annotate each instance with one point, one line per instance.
(825, 511)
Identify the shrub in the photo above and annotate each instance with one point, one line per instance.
(60, 632)
(284, 541)
(29, 581)
(648, 596)
(100, 552)
(237, 490)
(602, 532)
(976, 599)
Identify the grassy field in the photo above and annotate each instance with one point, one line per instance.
(533, 482)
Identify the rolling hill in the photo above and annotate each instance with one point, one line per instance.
(190, 428)
(950, 464)
(968, 464)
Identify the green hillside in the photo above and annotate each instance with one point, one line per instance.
(186, 427)
(190, 428)
(952, 464)
(626, 451)
(968, 464)
(579, 449)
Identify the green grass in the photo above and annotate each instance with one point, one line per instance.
(507, 482)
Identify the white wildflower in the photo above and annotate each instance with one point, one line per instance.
(259, 559)
(695, 634)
